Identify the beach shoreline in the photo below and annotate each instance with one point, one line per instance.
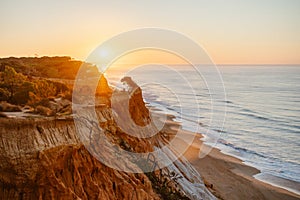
(227, 177)
(283, 183)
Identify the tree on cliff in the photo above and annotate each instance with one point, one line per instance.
(21, 96)
(11, 81)
(4, 94)
(43, 89)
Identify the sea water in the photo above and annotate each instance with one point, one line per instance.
(262, 123)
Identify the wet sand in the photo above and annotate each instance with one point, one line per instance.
(228, 177)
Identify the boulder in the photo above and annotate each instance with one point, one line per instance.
(42, 110)
(7, 107)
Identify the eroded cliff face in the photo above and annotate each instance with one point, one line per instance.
(45, 158)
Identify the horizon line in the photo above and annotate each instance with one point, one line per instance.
(172, 64)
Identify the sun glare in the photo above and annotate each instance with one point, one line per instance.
(103, 53)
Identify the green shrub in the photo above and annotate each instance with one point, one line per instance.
(21, 96)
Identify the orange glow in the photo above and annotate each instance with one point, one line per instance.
(147, 56)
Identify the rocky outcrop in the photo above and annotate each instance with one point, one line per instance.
(7, 107)
(137, 109)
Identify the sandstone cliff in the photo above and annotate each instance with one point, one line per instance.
(44, 159)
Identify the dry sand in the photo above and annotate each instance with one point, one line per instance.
(228, 178)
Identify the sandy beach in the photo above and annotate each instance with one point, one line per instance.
(225, 176)
(229, 178)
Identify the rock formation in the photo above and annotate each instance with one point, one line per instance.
(137, 109)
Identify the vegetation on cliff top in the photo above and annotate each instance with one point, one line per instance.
(20, 89)
(35, 82)
(47, 67)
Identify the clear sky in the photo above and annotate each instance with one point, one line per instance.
(232, 31)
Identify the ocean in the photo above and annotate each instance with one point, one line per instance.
(262, 121)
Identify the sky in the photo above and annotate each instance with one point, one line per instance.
(231, 31)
